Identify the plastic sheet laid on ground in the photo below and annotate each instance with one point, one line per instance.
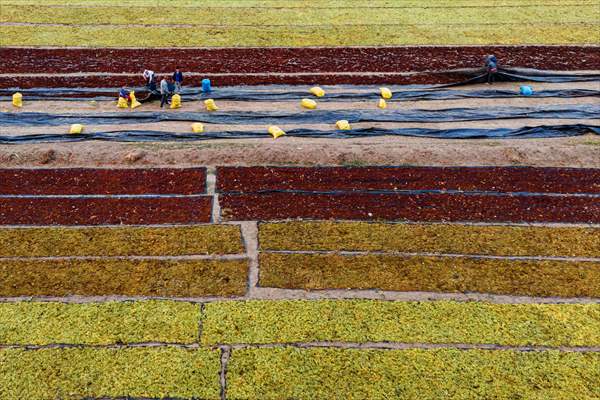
(549, 131)
(527, 75)
(582, 111)
(291, 92)
(283, 93)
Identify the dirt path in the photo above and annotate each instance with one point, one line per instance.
(583, 151)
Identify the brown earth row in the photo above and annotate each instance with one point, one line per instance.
(293, 60)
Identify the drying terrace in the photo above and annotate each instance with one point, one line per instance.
(243, 309)
(298, 23)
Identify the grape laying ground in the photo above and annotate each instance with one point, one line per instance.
(239, 308)
(446, 247)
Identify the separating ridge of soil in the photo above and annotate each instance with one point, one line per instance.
(122, 277)
(306, 374)
(121, 241)
(494, 179)
(413, 207)
(292, 59)
(578, 151)
(73, 181)
(100, 211)
(430, 238)
(430, 274)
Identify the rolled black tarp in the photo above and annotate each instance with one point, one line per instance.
(543, 131)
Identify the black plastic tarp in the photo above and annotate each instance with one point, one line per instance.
(160, 136)
(292, 93)
(583, 111)
(526, 75)
(288, 92)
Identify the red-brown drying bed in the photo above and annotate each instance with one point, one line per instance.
(106, 210)
(412, 207)
(97, 181)
(116, 80)
(292, 59)
(490, 179)
(259, 66)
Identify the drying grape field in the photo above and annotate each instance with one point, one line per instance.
(398, 282)
(447, 247)
(296, 23)
(101, 44)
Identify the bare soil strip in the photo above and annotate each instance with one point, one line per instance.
(582, 151)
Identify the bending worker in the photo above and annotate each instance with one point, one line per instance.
(491, 65)
(124, 93)
(150, 80)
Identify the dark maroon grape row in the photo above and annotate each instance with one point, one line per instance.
(291, 60)
(411, 207)
(489, 179)
(106, 210)
(74, 181)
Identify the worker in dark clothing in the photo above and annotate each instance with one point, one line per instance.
(165, 91)
(491, 66)
(178, 79)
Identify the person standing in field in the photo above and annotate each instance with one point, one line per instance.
(178, 79)
(165, 91)
(491, 66)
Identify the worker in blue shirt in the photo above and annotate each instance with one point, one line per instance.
(178, 79)
(124, 93)
(491, 66)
